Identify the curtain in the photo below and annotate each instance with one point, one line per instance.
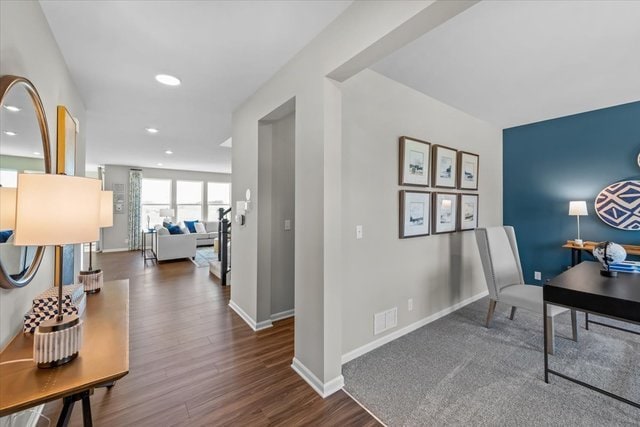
(135, 187)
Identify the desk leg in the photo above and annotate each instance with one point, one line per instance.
(544, 349)
(86, 410)
(65, 414)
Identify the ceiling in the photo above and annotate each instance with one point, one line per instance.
(223, 51)
(516, 62)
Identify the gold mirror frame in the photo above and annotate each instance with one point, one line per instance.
(6, 84)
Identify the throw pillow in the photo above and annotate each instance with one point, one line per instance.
(200, 227)
(191, 225)
(4, 235)
(174, 229)
(163, 231)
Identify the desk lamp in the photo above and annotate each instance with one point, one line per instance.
(92, 279)
(57, 210)
(578, 209)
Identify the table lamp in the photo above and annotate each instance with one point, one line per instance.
(57, 210)
(92, 279)
(167, 214)
(578, 209)
(7, 208)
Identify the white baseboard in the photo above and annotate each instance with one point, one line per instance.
(283, 315)
(248, 319)
(354, 354)
(115, 250)
(323, 389)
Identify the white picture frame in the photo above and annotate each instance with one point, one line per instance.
(415, 213)
(468, 219)
(415, 161)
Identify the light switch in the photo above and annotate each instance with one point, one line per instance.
(287, 224)
(358, 232)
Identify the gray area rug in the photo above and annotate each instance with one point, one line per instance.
(204, 255)
(454, 371)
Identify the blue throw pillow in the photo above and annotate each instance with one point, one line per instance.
(174, 229)
(4, 235)
(191, 225)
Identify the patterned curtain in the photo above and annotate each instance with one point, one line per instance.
(135, 187)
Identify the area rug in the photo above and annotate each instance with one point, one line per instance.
(204, 255)
(456, 372)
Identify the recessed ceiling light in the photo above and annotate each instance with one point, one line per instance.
(10, 133)
(168, 80)
(168, 152)
(36, 153)
(159, 164)
(152, 130)
(12, 108)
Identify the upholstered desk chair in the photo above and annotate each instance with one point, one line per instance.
(503, 272)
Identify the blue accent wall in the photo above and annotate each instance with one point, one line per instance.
(549, 163)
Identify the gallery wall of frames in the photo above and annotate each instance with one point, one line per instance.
(452, 174)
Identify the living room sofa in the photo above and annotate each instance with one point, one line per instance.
(174, 246)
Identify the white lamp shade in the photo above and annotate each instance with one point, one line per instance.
(7, 208)
(578, 208)
(106, 209)
(57, 210)
(166, 212)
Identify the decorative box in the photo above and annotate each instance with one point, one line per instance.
(35, 317)
(626, 267)
(48, 299)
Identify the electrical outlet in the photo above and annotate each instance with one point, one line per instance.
(287, 224)
(358, 232)
(537, 275)
(410, 304)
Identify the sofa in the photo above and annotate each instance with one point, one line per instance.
(174, 246)
(206, 239)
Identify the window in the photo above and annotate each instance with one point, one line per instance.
(218, 196)
(9, 178)
(189, 200)
(156, 195)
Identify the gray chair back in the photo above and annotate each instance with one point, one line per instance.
(500, 258)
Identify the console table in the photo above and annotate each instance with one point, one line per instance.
(576, 250)
(103, 359)
(583, 288)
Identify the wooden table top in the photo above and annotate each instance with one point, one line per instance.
(588, 246)
(104, 355)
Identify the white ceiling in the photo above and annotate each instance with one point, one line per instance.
(223, 51)
(516, 62)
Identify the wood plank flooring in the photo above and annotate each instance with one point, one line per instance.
(194, 362)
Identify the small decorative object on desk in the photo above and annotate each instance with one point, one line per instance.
(626, 267)
(609, 253)
(71, 295)
(36, 316)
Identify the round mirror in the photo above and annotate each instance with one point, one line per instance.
(24, 148)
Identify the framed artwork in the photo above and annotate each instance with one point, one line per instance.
(468, 167)
(67, 130)
(414, 162)
(444, 166)
(415, 212)
(468, 212)
(445, 212)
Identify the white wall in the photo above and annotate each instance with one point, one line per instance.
(382, 271)
(28, 49)
(364, 33)
(115, 238)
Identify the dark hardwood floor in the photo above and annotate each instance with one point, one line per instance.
(193, 361)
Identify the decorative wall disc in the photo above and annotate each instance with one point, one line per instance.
(618, 205)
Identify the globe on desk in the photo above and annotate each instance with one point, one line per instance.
(609, 253)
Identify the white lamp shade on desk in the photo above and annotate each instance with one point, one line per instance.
(578, 208)
(57, 210)
(106, 209)
(7, 208)
(166, 212)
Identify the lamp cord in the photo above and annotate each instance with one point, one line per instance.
(16, 361)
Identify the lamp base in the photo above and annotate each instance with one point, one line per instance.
(608, 273)
(92, 280)
(578, 242)
(57, 342)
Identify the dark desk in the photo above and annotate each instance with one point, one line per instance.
(583, 288)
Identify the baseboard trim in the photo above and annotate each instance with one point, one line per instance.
(115, 250)
(256, 326)
(354, 354)
(323, 389)
(283, 315)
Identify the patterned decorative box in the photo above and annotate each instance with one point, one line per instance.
(33, 318)
(48, 300)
